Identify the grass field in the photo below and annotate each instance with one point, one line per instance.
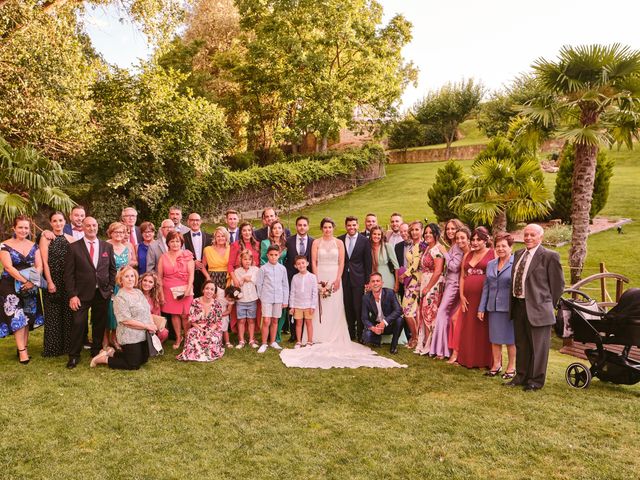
(247, 416)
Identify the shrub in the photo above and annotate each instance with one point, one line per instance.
(562, 193)
(408, 133)
(450, 181)
(557, 234)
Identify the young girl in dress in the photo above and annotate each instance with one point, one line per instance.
(247, 306)
(148, 284)
(226, 300)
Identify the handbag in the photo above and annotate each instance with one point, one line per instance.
(154, 344)
(178, 292)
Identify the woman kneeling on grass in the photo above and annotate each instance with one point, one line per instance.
(133, 317)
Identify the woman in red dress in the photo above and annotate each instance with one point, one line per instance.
(475, 348)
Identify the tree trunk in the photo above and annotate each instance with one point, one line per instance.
(324, 144)
(584, 172)
(499, 223)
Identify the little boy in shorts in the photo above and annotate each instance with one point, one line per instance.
(273, 291)
(303, 299)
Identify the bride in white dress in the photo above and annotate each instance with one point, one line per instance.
(332, 346)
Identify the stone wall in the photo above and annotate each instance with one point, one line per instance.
(468, 152)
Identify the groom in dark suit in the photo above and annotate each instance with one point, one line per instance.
(381, 314)
(195, 240)
(298, 244)
(89, 278)
(537, 285)
(355, 275)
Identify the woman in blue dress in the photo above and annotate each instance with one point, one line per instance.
(124, 254)
(22, 267)
(494, 306)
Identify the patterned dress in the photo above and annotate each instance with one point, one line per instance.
(411, 299)
(57, 318)
(203, 342)
(122, 260)
(429, 302)
(19, 309)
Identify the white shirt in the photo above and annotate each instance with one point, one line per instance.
(394, 237)
(350, 245)
(197, 244)
(96, 250)
(304, 291)
(77, 234)
(379, 307)
(248, 288)
(236, 235)
(532, 252)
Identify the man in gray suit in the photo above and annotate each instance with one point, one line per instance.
(159, 246)
(537, 284)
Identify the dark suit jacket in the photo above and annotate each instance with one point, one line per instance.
(391, 310)
(357, 267)
(292, 253)
(263, 233)
(188, 243)
(81, 277)
(543, 285)
(399, 249)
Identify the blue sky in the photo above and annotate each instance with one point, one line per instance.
(490, 40)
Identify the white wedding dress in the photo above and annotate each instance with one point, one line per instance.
(332, 346)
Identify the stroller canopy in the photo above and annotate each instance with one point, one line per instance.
(628, 308)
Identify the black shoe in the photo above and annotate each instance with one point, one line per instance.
(18, 355)
(23, 362)
(292, 339)
(512, 384)
(73, 363)
(393, 351)
(87, 345)
(531, 388)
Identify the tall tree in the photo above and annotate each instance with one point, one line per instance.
(594, 92)
(446, 108)
(311, 63)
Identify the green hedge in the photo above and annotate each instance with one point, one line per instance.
(224, 182)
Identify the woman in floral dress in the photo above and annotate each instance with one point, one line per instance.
(21, 262)
(411, 277)
(431, 265)
(203, 342)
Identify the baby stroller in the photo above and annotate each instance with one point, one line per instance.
(581, 318)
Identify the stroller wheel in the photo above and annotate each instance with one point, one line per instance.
(577, 375)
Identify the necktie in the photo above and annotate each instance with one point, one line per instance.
(517, 282)
(231, 239)
(350, 246)
(196, 234)
(301, 249)
(91, 252)
(132, 237)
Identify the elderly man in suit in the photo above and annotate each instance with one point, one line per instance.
(129, 216)
(298, 244)
(195, 240)
(381, 314)
(159, 246)
(89, 278)
(538, 282)
(355, 275)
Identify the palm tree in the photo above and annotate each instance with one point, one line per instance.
(594, 91)
(29, 180)
(502, 189)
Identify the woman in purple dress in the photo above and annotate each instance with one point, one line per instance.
(451, 294)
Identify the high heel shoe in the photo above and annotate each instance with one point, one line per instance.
(493, 373)
(23, 362)
(18, 354)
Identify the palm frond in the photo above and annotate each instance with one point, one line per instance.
(587, 135)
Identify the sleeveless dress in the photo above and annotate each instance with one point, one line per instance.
(122, 260)
(332, 346)
(448, 303)
(19, 310)
(428, 303)
(176, 276)
(57, 314)
(474, 349)
(203, 342)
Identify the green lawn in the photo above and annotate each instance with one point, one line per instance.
(247, 416)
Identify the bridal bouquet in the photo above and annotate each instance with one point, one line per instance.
(326, 289)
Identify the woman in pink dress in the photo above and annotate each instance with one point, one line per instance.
(175, 276)
(475, 348)
(203, 342)
(463, 240)
(431, 265)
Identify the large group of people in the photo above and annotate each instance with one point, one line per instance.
(448, 293)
